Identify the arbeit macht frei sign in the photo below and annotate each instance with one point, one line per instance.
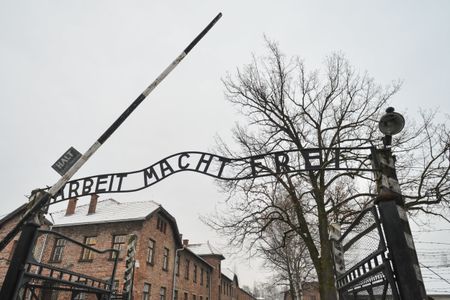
(213, 165)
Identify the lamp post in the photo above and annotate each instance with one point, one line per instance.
(393, 216)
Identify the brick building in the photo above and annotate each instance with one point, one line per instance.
(310, 292)
(167, 267)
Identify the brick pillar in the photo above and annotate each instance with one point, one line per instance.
(71, 206)
(93, 204)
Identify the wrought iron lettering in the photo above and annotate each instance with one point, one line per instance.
(273, 163)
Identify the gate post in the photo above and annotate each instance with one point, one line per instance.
(13, 278)
(396, 227)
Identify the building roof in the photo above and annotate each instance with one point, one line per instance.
(198, 257)
(204, 249)
(107, 211)
(229, 274)
(21, 209)
(111, 211)
(18, 212)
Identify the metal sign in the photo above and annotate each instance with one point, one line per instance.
(66, 161)
(273, 163)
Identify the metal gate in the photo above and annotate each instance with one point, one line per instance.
(59, 267)
(368, 272)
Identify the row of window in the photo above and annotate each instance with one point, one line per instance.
(161, 225)
(195, 274)
(118, 243)
(226, 288)
(151, 251)
(146, 294)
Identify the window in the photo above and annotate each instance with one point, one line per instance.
(201, 297)
(115, 286)
(207, 278)
(201, 276)
(312, 297)
(194, 297)
(58, 250)
(195, 273)
(80, 296)
(118, 243)
(165, 265)
(175, 295)
(54, 295)
(185, 296)
(146, 291)
(186, 271)
(87, 254)
(48, 292)
(151, 251)
(161, 225)
(162, 293)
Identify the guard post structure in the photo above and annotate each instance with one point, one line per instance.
(14, 275)
(129, 268)
(394, 219)
(338, 252)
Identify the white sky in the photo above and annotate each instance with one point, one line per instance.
(69, 68)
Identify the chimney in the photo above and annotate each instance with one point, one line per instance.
(185, 242)
(93, 204)
(71, 206)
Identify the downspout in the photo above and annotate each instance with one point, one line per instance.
(50, 227)
(44, 244)
(209, 285)
(41, 254)
(175, 271)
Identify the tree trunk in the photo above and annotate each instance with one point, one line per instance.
(327, 285)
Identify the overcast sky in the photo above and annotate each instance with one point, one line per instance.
(69, 68)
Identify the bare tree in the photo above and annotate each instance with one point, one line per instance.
(423, 162)
(290, 108)
(286, 254)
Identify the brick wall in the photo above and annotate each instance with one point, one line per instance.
(194, 277)
(152, 272)
(5, 254)
(215, 262)
(243, 295)
(310, 292)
